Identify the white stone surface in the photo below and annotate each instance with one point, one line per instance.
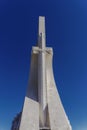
(30, 115)
(42, 88)
(57, 116)
(42, 106)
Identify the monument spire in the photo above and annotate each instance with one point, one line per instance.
(42, 88)
(42, 109)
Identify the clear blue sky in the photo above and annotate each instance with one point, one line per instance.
(66, 28)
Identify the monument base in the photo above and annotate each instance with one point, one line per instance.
(45, 128)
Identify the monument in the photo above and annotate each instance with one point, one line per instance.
(42, 109)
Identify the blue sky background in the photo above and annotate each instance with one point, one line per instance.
(66, 28)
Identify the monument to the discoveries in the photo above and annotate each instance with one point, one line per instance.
(42, 108)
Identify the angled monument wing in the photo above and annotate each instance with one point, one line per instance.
(42, 108)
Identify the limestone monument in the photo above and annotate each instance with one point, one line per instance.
(42, 109)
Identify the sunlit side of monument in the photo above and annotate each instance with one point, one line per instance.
(42, 109)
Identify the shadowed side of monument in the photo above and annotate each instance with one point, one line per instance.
(42, 109)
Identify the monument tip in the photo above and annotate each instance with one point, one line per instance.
(41, 33)
(41, 24)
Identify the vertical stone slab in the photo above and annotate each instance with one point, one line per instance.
(30, 112)
(42, 88)
(30, 115)
(57, 116)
